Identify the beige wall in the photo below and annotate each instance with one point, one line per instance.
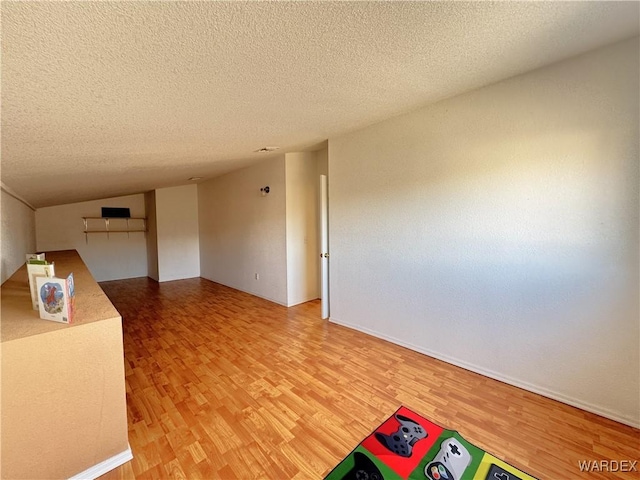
(498, 230)
(18, 234)
(113, 257)
(301, 171)
(323, 161)
(152, 235)
(176, 220)
(243, 233)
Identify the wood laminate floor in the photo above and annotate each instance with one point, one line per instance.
(222, 384)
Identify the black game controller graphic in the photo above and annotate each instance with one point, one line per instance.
(364, 469)
(499, 473)
(402, 441)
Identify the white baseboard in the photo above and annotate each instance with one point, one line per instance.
(246, 291)
(103, 467)
(574, 402)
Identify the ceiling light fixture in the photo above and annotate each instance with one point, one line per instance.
(266, 149)
(195, 179)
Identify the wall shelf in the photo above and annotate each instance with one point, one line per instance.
(139, 225)
(113, 231)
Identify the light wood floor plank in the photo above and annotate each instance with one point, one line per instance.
(221, 384)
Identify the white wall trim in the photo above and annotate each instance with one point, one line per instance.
(105, 466)
(574, 402)
(10, 192)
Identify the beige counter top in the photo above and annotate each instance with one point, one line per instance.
(19, 320)
(63, 388)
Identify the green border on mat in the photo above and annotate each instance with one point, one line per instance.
(476, 453)
(347, 464)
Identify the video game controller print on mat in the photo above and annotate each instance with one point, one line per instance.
(402, 441)
(409, 447)
(363, 469)
(454, 458)
(362, 465)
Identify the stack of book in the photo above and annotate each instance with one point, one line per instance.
(53, 297)
(37, 266)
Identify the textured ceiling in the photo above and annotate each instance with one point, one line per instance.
(108, 98)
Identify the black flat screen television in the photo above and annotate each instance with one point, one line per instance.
(113, 212)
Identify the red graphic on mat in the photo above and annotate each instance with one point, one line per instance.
(403, 440)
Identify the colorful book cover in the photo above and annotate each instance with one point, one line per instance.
(35, 270)
(57, 298)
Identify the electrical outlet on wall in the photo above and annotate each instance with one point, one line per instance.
(257, 276)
